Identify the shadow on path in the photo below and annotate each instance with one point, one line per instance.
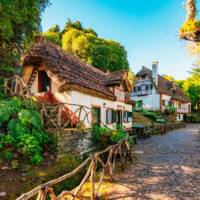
(168, 168)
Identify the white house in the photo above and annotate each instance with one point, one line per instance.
(49, 69)
(154, 92)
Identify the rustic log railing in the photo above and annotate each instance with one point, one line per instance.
(158, 129)
(85, 115)
(15, 86)
(122, 149)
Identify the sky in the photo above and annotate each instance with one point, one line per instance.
(148, 29)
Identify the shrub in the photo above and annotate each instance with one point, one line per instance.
(169, 110)
(24, 133)
(161, 120)
(106, 136)
(2, 95)
(8, 155)
(193, 118)
(151, 115)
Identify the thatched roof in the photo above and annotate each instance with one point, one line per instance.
(165, 86)
(71, 71)
(115, 78)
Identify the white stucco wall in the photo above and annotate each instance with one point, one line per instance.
(150, 101)
(75, 97)
(90, 101)
(34, 86)
(179, 117)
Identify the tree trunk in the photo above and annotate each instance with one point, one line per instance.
(190, 9)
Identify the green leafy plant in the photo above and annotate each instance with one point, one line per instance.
(8, 155)
(2, 95)
(150, 114)
(169, 110)
(193, 118)
(106, 136)
(24, 133)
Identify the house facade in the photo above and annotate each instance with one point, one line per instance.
(154, 92)
(47, 69)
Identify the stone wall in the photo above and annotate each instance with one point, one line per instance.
(74, 141)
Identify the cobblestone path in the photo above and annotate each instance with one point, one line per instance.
(167, 168)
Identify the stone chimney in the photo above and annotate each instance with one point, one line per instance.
(155, 72)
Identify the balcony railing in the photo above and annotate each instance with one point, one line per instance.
(142, 93)
(182, 110)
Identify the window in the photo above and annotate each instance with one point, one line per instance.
(111, 116)
(127, 116)
(130, 116)
(143, 87)
(139, 104)
(138, 88)
(96, 117)
(179, 105)
(119, 94)
(44, 82)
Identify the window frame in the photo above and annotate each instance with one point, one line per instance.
(126, 116)
(113, 116)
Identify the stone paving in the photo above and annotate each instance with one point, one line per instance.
(167, 168)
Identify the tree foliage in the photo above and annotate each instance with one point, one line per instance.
(101, 53)
(168, 77)
(53, 35)
(19, 20)
(192, 87)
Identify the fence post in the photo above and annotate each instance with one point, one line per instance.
(60, 115)
(41, 194)
(93, 169)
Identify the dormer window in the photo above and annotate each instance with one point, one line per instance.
(119, 93)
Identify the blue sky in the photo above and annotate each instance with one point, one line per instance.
(147, 28)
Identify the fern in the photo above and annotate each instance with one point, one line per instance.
(24, 131)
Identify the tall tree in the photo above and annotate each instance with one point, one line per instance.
(192, 87)
(53, 35)
(19, 20)
(101, 53)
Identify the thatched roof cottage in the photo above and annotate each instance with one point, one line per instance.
(48, 68)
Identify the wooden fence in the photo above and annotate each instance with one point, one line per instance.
(121, 149)
(84, 116)
(15, 86)
(157, 129)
